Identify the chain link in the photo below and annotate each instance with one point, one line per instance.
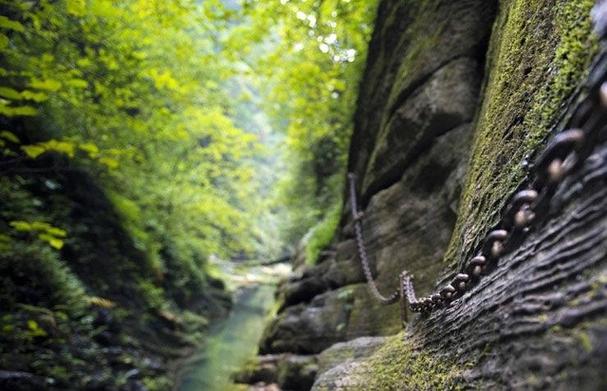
(563, 154)
(362, 251)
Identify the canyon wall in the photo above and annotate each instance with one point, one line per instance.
(456, 99)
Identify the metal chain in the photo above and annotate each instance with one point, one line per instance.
(564, 154)
(362, 252)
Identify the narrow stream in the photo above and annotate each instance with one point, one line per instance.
(231, 342)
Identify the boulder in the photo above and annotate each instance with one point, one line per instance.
(292, 372)
(343, 352)
(331, 317)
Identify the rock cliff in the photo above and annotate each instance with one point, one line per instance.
(456, 98)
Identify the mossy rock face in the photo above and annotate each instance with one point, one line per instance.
(540, 52)
(423, 54)
(413, 41)
(431, 193)
(537, 321)
(394, 366)
(352, 350)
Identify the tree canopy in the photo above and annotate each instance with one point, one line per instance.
(143, 143)
(181, 108)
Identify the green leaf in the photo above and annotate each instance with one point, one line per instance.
(5, 242)
(89, 148)
(77, 83)
(16, 111)
(35, 330)
(40, 225)
(33, 151)
(35, 96)
(65, 147)
(58, 232)
(10, 93)
(48, 84)
(21, 226)
(84, 62)
(10, 136)
(76, 7)
(52, 241)
(10, 24)
(25, 111)
(110, 163)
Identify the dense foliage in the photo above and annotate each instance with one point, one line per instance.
(141, 138)
(313, 58)
(157, 119)
(147, 115)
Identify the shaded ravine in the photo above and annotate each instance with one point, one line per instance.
(231, 342)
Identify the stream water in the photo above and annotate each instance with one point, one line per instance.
(231, 342)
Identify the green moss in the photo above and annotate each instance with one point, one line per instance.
(585, 361)
(539, 53)
(157, 383)
(582, 332)
(396, 366)
(585, 341)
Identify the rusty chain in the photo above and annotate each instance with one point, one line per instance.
(563, 154)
